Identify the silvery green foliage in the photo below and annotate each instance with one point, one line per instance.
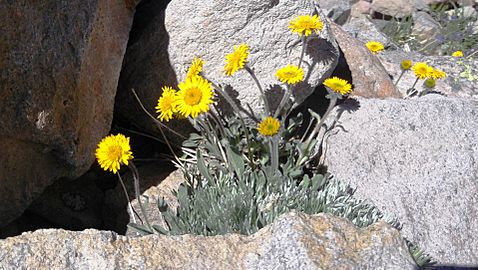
(227, 192)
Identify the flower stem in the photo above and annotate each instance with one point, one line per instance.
(127, 198)
(263, 96)
(283, 101)
(333, 101)
(243, 124)
(401, 74)
(304, 45)
(156, 120)
(134, 170)
(411, 91)
(274, 148)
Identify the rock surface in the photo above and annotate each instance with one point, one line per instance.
(418, 160)
(293, 241)
(162, 53)
(337, 10)
(59, 67)
(396, 8)
(369, 77)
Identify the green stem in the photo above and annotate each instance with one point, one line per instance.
(315, 131)
(401, 74)
(415, 83)
(263, 96)
(127, 199)
(156, 120)
(137, 194)
(243, 124)
(304, 45)
(283, 101)
(274, 148)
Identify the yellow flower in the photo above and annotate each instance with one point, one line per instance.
(430, 83)
(113, 151)
(290, 74)
(194, 96)
(196, 67)
(269, 126)
(305, 24)
(457, 54)
(165, 106)
(374, 46)
(338, 85)
(406, 64)
(422, 70)
(437, 74)
(236, 60)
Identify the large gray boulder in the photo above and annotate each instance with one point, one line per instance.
(59, 67)
(163, 50)
(293, 241)
(416, 159)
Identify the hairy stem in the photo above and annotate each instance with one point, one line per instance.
(263, 96)
(401, 74)
(138, 195)
(131, 210)
(285, 98)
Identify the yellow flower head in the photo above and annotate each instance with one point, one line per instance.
(422, 70)
(290, 74)
(457, 54)
(194, 96)
(236, 60)
(338, 85)
(196, 67)
(374, 46)
(429, 83)
(113, 151)
(269, 126)
(406, 64)
(437, 74)
(305, 24)
(165, 106)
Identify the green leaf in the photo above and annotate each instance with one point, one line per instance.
(236, 160)
(141, 229)
(203, 170)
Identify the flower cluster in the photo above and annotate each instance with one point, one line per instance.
(422, 71)
(194, 96)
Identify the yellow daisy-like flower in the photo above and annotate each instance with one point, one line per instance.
(457, 54)
(269, 126)
(166, 107)
(196, 67)
(429, 83)
(375, 46)
(422, 70)
(338, 85)
(437, 74)
(113, 151)
(194, 96)
(305, 24)
(290, 74)
(236, 60)
(406, 64)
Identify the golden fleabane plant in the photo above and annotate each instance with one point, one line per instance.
(421, 71)
(244, 169)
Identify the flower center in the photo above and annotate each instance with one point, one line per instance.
(114, 152)
(166, 104)
(193, 96)
(290, 74)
